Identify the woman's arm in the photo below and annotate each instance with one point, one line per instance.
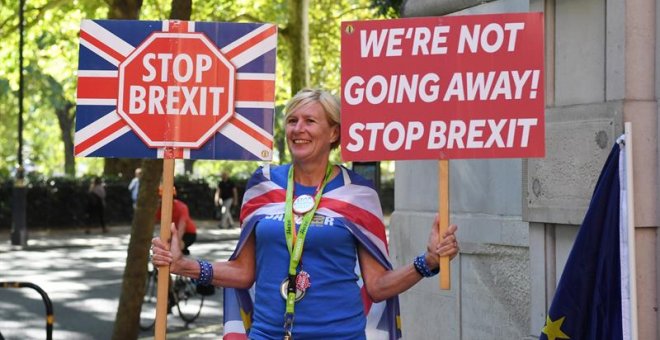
(382, 284)
(237, 273)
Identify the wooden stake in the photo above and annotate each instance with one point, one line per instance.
(160, 329)
(443, 212)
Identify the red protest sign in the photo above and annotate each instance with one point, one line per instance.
(443, 88)
(176, 90)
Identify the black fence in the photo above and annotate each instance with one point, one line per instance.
(64, 202)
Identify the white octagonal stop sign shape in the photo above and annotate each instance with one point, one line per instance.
(176, 90)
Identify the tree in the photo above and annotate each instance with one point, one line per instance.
(135, 274)
(297, 32)
(127, 10)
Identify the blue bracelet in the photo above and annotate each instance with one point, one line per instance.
(423, 268)
(205, 273)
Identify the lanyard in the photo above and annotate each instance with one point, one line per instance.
(295, 247)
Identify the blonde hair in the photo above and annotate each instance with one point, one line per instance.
(327, 100)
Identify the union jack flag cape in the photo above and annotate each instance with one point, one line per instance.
(355, 203)
(105, 44)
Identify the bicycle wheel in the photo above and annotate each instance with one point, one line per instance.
(148, 311)
(188, 301)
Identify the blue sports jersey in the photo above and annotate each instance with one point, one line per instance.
(329, 256)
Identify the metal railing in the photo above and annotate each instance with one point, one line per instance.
(49, 305)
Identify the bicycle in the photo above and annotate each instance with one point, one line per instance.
(182, 293)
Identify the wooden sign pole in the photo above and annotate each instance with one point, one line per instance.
(443, 211)
(160, 329)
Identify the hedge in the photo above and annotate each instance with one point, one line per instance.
(62, 202)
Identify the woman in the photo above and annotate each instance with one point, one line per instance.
(306, 282)
(97, 203)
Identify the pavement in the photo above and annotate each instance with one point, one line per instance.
(82, 274)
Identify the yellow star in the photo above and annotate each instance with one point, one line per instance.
(247, 319)
(553, 329)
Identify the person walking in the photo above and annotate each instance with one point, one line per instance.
(97, 204)
(185, 226)
(134, 187)
(226, 197)
(311, 262)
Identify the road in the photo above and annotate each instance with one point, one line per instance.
(82, 275)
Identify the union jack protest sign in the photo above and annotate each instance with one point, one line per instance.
(176, 89)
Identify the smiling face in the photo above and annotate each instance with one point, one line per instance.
(309, 133)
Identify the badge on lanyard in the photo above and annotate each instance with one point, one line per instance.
(300, 293)
(303, 204)
(293, 287)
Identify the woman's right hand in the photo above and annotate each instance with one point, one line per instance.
(167, 255)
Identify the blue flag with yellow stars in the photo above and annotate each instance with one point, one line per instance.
(587, 303)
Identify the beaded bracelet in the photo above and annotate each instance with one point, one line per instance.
(205, 273)
(423, 268)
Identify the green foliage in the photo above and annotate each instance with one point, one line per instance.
(51, 61)
(388, 8)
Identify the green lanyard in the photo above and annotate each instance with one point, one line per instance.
(296, 250)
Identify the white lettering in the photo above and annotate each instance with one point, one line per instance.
(164, 65)
(136, 99)
(474, 37)
(183, 67)
(493, 85)
(352, 93)
(437, 132)
(203, 64)
(374, 128)
(379, 82)
(146, 62)
(439, 39)
(456, 131)
(414, 132)
(396, 89)
(422, 37)
(495, 137)
(475, 131)
(174, 100)
(182, 74)
(357, 142)
(394, 127)
(373, 44)
(450, 134)
(394, 42)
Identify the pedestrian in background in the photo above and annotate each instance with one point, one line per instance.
(185, 226)
(226, 197)
(134, 187)
(97, 204)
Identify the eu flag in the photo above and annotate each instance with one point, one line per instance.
(587, 303)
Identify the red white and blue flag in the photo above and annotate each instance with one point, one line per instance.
(356, 205)
(245, 133)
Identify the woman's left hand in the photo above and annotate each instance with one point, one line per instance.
(447, 245)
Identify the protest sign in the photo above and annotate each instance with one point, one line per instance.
(443, 88)
(176, 89)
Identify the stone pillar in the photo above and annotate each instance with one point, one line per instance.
(640, 108)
